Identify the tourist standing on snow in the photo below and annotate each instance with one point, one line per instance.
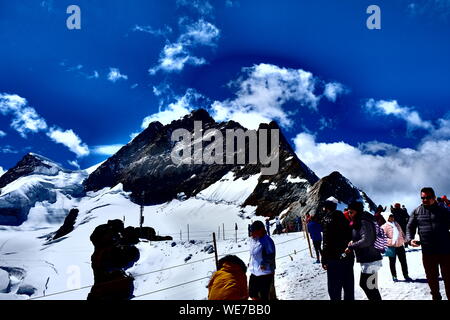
(378, 215)
(396, 240)
(400, 216)
(278, 225)
(315, 231)
(268, 226)
(363, 240)
(262, 264)
(336, 236)
(229, 282)
(433, 224)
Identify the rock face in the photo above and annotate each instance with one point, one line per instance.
(35, 179)
(68, 224)
(145, 168)
(334, 185)
(30, 164)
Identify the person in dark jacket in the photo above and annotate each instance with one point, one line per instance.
(363, 240)
(339, 266)
(315, 231)
(400, 216)
(379, 215)
(433, 224)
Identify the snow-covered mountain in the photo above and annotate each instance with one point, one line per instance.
(36, 180)
(187, 202)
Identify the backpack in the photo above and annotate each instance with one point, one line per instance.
(381, 239)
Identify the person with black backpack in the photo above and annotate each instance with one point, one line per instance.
(364, 236)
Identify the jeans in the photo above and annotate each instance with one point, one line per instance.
(431, 263)
(400, 252)
(340, 277)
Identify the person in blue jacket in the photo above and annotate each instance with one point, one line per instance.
(315, 231)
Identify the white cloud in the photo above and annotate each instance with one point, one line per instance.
(8, 149)
(430, 8)
(442, 131)
(262, 92)
(2, 134)
(333, 90)
(203, 7)
(157, 32)
(115, 75)
(200, 33)
(387, 173)
(95, 75)
(74, 163)
(391, 107)
(107, 150)
(174, 111)
(25, 118)
(70, 140)
(173, 59)
(175, 56)
(232, 3)
(2, 172)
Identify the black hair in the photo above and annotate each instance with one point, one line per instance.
(428, 190)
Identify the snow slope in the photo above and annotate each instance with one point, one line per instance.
(178, 269)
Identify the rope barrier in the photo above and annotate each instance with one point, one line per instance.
(165, 269)
(192, 281)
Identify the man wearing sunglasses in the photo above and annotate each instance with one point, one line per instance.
(433, 224)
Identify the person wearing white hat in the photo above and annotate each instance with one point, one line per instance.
(396, 240)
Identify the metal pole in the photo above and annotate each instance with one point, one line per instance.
(141, 217)
(235, 230)
(188, 231)
(218, 234)
(215, 250)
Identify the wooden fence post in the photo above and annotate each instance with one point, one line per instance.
(215, 251)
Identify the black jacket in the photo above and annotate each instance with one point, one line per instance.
(336, 236)
(363, 237)
(401, 216)
(433, 224)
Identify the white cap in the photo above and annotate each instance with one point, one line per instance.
(333, 199)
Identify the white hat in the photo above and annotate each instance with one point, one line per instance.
(333, 199)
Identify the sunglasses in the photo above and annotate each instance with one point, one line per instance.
(427, 198)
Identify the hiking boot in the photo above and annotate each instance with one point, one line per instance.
(394, 279)
(317, 261)
(408, 279)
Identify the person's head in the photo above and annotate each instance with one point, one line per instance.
(329, 206)
(397, 206)
(355, 208)
(428, 196)
(257, 229)
(391, 218)
(231, 259)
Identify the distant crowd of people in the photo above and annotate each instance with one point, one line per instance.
(340, 237)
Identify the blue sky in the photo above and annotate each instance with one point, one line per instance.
(346, 96)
